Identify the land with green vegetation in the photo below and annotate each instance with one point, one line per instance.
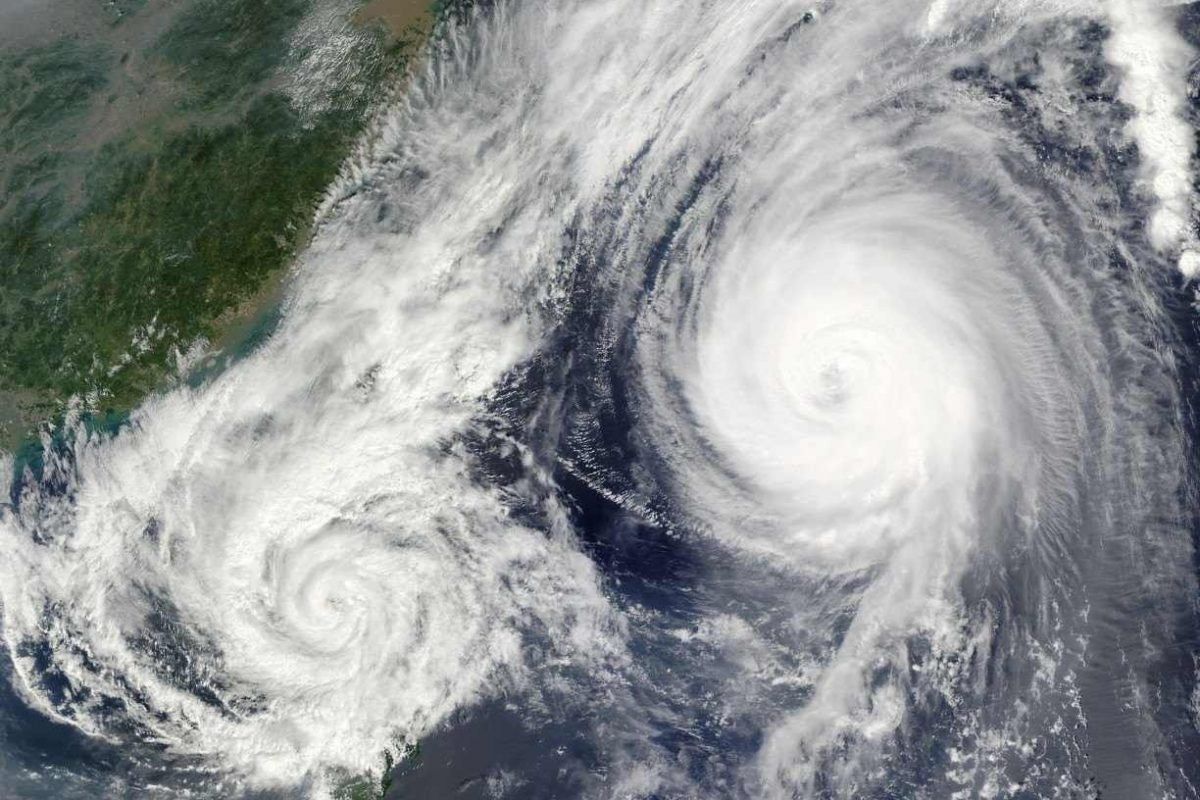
(160, 164)
(369, 788)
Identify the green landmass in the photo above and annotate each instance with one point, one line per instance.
(153, 196)
(225, 48)
(364, 788)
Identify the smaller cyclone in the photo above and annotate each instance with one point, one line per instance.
(284, 572)
(238, 614)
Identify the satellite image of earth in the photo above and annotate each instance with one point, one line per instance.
(640, 399)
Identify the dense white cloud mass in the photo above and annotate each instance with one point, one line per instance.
(1154, 61)
(863, 308)
(895, 374)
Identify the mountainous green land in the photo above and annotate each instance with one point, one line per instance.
(160, 164)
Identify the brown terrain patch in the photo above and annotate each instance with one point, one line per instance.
(400, 16)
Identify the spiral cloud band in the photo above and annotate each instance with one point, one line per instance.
(774, 400)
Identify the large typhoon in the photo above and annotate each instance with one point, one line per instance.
(796, 389)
